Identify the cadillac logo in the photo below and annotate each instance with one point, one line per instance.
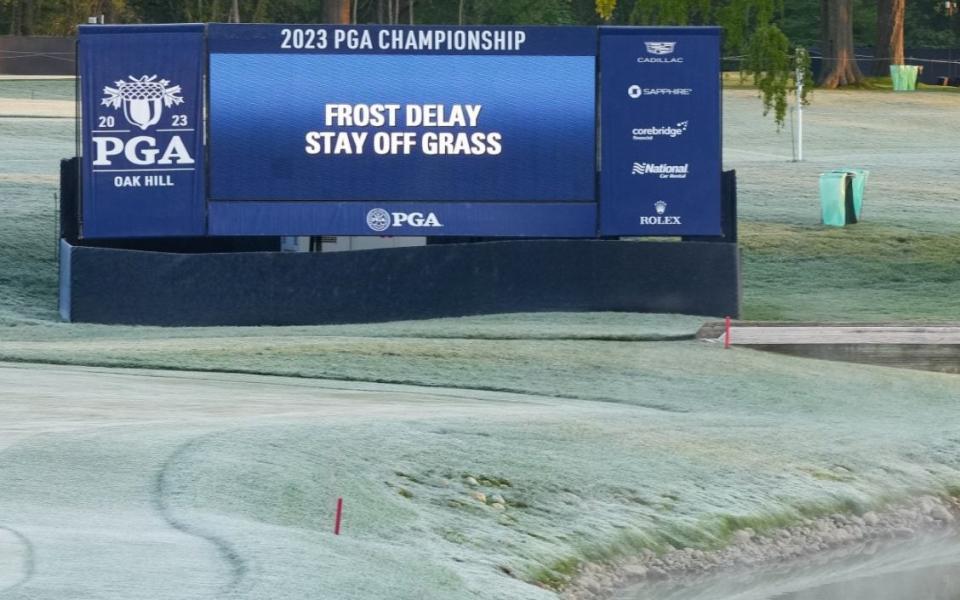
(660, 48)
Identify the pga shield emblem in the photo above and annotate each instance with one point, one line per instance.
(380, 220)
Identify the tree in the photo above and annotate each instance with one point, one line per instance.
(337, 11)
(750, 31)
(889, 47)
(839, 62)
(605, 9)
(18, 26)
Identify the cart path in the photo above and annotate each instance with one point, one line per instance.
(744, 334)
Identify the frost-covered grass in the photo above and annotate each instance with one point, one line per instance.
(900, 262)
(896, 265)
(126, 482)
(567, 355)
(628, 441)
(49, 88)
(626, 434)
(872, 272)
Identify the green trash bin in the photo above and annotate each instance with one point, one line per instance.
(841, 196)
(904, 77)
(859, 187)
(833, 198)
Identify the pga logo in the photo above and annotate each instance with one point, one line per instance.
(141, 150)
(380, 220)
(142, 101)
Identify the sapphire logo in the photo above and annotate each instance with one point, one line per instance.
(664, 171)
(378, 219)
(635, 91)
(646, 134)
(660, 207)
(143, 99)
(660, 47)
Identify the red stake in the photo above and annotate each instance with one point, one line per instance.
(726, 338)
(336, 527)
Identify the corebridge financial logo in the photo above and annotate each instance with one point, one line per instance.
(661, 53)
(141, 102)
(380, 220)
(647, 134)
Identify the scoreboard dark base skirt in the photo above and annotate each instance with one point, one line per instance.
(117, 286)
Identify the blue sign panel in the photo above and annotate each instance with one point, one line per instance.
(392, 130)
(334, 125)
(530, 219)
(401, 39)
(660, 131)
(143, 168)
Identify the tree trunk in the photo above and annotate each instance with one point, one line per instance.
(235, 12)
(27, 25)
(15, 18)
(110, 12)
(889, 48)
(337, 12)
(839, 63)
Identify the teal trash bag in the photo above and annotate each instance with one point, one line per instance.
(841, 196)
(833, 198)
(904, 77)
(859, 189)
